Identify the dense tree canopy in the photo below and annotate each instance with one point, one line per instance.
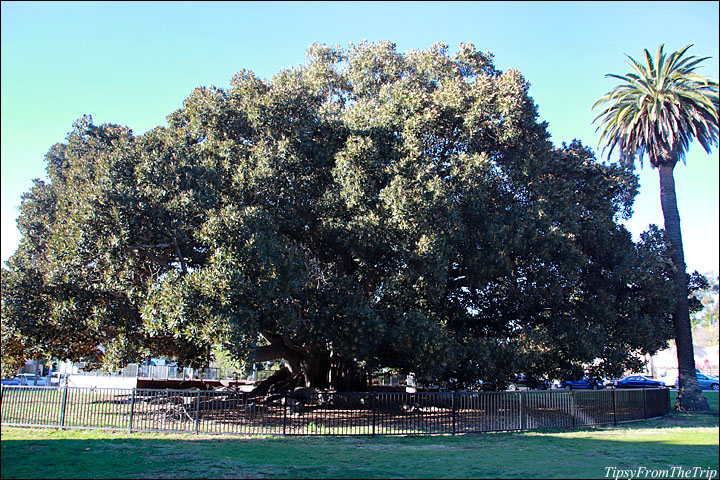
(367, 209)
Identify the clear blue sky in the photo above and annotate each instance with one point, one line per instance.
(134, 63)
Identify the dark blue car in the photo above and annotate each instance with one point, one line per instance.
(586, 383)
(638, 381)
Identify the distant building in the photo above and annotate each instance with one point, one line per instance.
(665, 364)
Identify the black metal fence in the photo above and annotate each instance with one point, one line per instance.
(298, 413)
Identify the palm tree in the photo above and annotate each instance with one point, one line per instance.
(658, 110)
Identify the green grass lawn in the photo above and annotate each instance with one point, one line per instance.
(685, 440)
(712, 398)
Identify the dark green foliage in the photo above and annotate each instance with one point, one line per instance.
(369, 209)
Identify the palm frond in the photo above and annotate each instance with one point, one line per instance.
(659, 108)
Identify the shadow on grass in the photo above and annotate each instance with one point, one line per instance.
(674, 420)
(680, 440)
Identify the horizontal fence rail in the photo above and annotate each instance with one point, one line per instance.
(316, 413)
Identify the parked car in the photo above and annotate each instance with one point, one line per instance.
(586, 383)
(706, 382)
(31, 379)
(522, 380)
(610, 381)
(669, 378)
(10, 381)
(638, 381)
(482, 386)
(58, 379)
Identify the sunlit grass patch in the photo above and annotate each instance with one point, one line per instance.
(679, 439)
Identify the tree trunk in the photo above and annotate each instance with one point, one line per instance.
(689, 397)
(321, 370)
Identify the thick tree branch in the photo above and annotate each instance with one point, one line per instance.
(150, 256)
(180, 256)
(278, 349)
(158, 245)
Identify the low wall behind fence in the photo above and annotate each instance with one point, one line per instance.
(299, 413)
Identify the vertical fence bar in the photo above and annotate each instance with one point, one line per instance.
(33, 405)
(645, 403)
(372, 407)
(572, 407)
(614, 402)
(63, 406)
(197, 413)
(284, 407)
(522, 410)
(452, 403)
(87, 399)
(27, 409)
(37, 402)
(20, 402)
(132, 411)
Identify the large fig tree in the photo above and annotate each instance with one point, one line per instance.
(367, 209)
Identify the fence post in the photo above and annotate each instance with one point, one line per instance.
(520, 393)
(63, 406)
(572, 407)
(614, 400)
(132, 410)
(645, 402)
(452, 402)
(285, 409)
(372, 406)
(197, 413)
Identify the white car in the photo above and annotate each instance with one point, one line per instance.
(669, 378)
(58, 379)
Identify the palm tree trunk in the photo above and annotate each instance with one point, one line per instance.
(689, 397)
